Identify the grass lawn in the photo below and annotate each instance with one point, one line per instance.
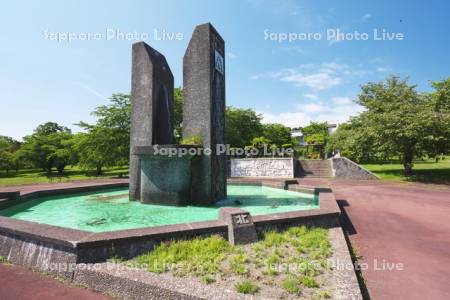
(285, 264)
(424, 171)
(70, 173)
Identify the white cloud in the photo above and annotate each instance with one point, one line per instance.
(341, 100)
(339, 110)
(311, 96)
(314, 76)
(318, 81)
(290, 119)
(231, 55)
(311, 107)
(382, 69)
(366, 17)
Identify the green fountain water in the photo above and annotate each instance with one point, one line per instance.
(110, 210)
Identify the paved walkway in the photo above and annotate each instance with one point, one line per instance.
(17, 283)
(390, 224)
(396, 223)
(28, 188)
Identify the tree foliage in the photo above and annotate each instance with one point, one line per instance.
(177, 112)
(242, 125)
(397, 121)
(316, 136)
(439, 104)
(278, 134)
(106, 143)
(46, 147)
(7, 148)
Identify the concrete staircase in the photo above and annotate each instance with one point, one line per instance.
(314, 168)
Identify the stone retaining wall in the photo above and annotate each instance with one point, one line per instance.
(262, 167)
(344, 168)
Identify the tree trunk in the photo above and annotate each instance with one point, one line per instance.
(99, 170)
(60, 169)
(408, 168)
(407, 163)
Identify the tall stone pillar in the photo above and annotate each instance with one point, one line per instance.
(204, 110)
(151, 107)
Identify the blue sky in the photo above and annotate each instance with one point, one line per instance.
(289, 82)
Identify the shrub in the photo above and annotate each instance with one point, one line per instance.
(199, 256)
(273, 238)
(309, 281)
(192, 140)
(246, 287)
(238, 264)
(291, 284)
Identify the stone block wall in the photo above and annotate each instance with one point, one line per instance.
(262, 167)
(344, 168)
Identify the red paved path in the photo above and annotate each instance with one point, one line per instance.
(408, 224)
(17, 283)
(28, 188)
(397, 223)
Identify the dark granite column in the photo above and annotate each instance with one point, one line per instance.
(204, 110)
(151, 106)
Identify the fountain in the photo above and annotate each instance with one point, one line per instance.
(173, 197)
(187, 179)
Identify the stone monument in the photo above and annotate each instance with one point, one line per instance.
(187, 179)
(204, 110)
(241, 229)
(151, 107)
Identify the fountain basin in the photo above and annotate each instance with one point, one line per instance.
(166, 174)
(110, 209)
(33, 243)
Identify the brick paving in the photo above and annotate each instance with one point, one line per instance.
(18, 283)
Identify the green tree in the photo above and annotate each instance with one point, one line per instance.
(46, 147)
(261, 143)
(353, 142)
(50, 128)
(59, 150)
(8, 150)
(94, 149)
(242, 125)
(397, 117)
(6, 160)
(177, 112)
(278, 133)
(8, 153)
(316, 136)
(437, 142)
(108, 141)
(397, 122)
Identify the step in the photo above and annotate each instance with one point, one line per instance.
(314, 169)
